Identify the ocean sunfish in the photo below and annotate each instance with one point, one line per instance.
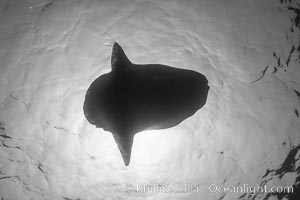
(133, 97)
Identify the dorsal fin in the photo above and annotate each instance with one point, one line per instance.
(119, 59)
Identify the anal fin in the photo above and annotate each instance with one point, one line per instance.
(124, 143)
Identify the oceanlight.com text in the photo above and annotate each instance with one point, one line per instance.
(212, 188)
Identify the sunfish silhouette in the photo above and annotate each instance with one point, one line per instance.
(132, 98)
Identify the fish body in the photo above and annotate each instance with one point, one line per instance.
(133, 97)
